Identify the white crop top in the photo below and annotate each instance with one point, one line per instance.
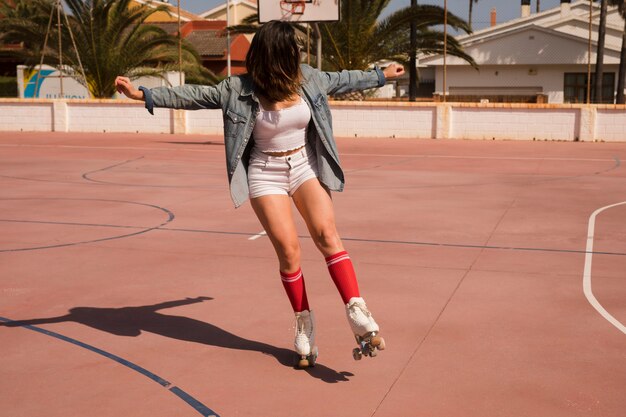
(281, 130)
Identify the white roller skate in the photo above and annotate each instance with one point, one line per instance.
(305, 339)
(364, 328)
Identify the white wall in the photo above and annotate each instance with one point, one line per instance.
(114, 118)
(26, 115)
(205, 121)
(610, 125)
(383, 121)
(515, 123)
(566, 122)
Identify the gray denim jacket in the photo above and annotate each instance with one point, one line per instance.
(235, 96)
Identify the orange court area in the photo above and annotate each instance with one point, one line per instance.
(130, 286)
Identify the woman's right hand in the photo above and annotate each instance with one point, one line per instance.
(124, 86)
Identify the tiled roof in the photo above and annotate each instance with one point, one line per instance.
(208, 42)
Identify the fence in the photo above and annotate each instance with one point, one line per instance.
(513, 121)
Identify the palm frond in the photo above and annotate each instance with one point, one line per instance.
(112, 38)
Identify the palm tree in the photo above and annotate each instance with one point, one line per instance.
(110, 38)
(361, 38)
(600, 52)
(621, 76)
(538, 6)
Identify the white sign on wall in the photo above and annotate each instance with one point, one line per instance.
(45, 82)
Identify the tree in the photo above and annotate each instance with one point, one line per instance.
(111, 38)
(621, 76)
(600, 52)
(361, 39)
(538, 6)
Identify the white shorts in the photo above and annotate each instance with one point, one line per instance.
(280, 175)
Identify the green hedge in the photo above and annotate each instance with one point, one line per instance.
(8, 86)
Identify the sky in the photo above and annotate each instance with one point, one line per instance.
(506, 9)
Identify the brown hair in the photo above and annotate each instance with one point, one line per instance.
(273, 61)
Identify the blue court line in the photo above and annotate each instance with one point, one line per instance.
(191, 401)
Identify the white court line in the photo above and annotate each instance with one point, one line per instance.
(255, 237)
(587, 273)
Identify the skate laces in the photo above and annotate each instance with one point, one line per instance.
(360, 306)
(303, 326)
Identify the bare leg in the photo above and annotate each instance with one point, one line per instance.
(315, 205)
(274, 213)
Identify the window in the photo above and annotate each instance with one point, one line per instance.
(575, 90)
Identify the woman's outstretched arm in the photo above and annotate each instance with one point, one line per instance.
(188, 97)
(354, 80)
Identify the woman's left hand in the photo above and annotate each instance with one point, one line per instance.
(393, 71)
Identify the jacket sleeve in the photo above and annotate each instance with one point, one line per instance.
(187, 97)
(351, 80)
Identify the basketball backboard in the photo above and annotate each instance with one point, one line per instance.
(299, 10)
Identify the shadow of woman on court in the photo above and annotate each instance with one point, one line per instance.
(131, 321)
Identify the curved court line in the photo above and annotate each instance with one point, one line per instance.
(587, 272)
(87, 176)
(195, 404)
(170, 217)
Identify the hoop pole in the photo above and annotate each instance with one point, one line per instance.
(308, 44)
(318, 52)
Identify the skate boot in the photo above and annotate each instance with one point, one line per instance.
(364, 328)
(305, 339)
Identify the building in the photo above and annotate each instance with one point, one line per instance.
(540, 56)
(208, 37)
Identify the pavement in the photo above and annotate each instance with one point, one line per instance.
(131, 286)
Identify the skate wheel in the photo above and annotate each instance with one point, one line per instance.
(378, 342)
(313, 357)
(373, 353)
(357, 354)
(303, 363)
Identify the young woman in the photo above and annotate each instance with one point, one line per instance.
(280, 147)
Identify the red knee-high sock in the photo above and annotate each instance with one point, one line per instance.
(295, 289)
(343, 275)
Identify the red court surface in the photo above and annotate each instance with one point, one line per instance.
(139, 290)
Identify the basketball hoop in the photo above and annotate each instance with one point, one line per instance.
(293, 7)
(302, 11)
